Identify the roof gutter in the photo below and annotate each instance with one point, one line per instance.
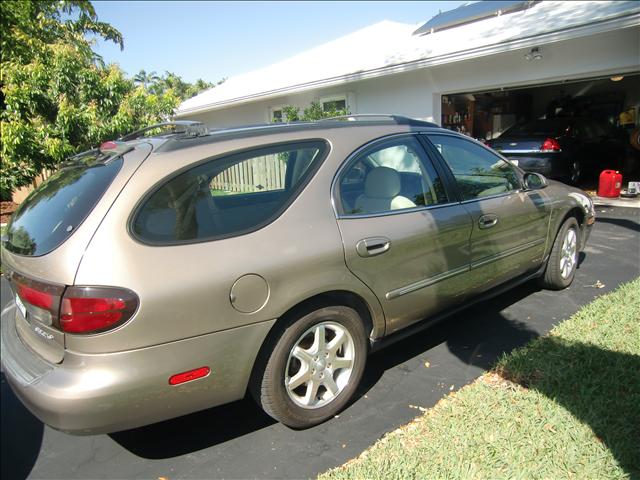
(600, 26)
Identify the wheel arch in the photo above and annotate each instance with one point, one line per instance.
(581, 217)
(332, 297)
(576, 212)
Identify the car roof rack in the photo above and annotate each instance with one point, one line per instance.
(381, 117)
(188, 128)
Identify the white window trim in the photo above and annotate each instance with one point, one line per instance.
(275, 108)
(347, 97)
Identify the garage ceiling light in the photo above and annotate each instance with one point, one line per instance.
(617, 79)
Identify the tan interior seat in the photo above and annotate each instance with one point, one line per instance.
(381, 189)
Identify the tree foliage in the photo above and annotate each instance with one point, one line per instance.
(58, 98)
(145, 79)
(311, 113)
(159, 84)
(29, 26)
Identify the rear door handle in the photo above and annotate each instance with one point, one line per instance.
(369, 247)
(487, 221)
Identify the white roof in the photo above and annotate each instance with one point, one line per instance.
(389, 47)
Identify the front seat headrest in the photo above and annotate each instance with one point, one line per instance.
(382, 182)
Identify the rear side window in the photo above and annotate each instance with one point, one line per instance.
(227, 196)
(54, 210)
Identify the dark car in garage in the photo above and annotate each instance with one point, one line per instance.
(563, 148)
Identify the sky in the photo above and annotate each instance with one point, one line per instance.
(215, 40)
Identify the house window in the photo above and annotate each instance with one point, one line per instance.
(277, 115)
(332, 104)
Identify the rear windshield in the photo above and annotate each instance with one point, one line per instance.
(539, 128)
(54, 210)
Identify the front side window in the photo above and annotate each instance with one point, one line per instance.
(227, 196)
(478, 172)
(393, 175)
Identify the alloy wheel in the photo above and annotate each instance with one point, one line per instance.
(568, 255)
(320, 365)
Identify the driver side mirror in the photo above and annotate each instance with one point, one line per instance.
(534, 181)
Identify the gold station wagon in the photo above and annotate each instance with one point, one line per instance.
(163, 274)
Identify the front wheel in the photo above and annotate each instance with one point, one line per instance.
(563, 260)
(314, 368)
(575, 174)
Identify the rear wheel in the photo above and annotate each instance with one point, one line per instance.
(563, 260)
(314, 368)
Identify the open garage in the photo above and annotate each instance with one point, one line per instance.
(605, 109)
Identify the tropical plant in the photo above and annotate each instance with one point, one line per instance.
(145, 79)
(184, 90)
(57, 96)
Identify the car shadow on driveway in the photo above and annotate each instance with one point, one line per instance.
(481, 326)
(21, 437)
(621, 222)
(194, 432)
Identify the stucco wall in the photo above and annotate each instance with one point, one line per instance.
(417, 93)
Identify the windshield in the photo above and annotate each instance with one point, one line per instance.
(553, 127)
(54, 210)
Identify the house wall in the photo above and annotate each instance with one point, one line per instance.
(417, 93)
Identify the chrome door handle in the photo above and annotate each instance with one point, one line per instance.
(487, 221)
(369, 247)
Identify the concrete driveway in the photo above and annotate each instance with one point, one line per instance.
(238, 441)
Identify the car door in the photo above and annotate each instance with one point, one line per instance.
(510, 224)
(403, 235)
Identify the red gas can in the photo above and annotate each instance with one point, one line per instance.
(610, 184)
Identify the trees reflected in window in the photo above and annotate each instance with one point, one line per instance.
(227, 196)
(478, 172)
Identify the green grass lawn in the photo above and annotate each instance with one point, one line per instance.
(567, 405)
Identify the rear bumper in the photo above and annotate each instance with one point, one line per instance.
(90, 394)
(551, 165)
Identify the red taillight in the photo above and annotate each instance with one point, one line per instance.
(550, 145)
(35, 297)
(95, 309)
(109, 145)
(179, 378)
(41, 300)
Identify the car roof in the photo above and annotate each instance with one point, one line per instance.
(177, 142)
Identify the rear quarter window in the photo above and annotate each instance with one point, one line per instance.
(227, 196)
(54, 210)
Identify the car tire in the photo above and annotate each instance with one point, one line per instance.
(314, 368)
(575, 174)
(563, 260)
